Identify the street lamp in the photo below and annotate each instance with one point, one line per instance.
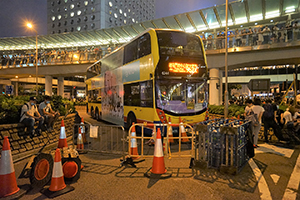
(226, 63)
(29, 25)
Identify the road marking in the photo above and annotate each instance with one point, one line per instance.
(267, 148)
(262, 184)
(275, 178)
(292, 187)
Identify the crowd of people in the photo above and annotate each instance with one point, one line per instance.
(43, 114)
(254, 36)
(285, 123)
(268, 34)
(54, 56)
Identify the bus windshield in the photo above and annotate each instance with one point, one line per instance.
(181, 96)
(179, 43)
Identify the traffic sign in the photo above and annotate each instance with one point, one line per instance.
(9, 89)
(259, 85)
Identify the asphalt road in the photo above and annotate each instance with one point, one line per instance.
(272, 174)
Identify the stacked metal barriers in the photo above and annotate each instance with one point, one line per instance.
(222, 144)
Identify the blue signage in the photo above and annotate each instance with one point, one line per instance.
(9, 89)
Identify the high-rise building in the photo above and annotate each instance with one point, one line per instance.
(83, 15)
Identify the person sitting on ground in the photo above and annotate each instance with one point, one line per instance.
(47, 112)
(30, 114)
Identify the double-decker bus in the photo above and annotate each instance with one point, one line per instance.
(160, 74)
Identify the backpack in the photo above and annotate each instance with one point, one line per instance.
(269, 112)
(20, 111)
(253, 118)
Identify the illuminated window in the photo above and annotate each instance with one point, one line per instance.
(110, 4)
(78, 12)
(72, 6)
(86, 3)
(116, 16)
(65, 8)
(59, 17)
(124, 21)
(125, 14)
(66, 1)
(133, 20)
(120, 11)
(72, 14)
(78, 28)
(53, 18)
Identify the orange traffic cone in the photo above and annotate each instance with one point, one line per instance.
(57, 186)
(170, 131)
(133, 148)
(8, 182)
(62, 137)
(83, 130)
(79, 140)
(158, 165)
(182, 131)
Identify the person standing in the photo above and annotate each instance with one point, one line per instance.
(30, 114)
(269, 119)
(47, 112)
(258, 111)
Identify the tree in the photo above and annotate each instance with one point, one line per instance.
(233, 86)
(41, 89)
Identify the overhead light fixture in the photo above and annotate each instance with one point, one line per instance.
(201, 28)
(256, 17)
(290, 9)
(241, 20)
(272, 14)
(230, 22)
(214, 25)
(190, 30)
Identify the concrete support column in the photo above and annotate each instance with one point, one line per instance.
(60, 86)
(17, 88)
(48, 85)
(214, 85)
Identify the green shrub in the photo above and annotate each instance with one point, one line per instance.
(233, 110)
(10, 107)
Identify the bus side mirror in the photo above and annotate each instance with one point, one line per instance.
(151, 75)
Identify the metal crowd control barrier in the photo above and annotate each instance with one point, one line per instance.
(164, 131)
(104, 138)
(221, 144)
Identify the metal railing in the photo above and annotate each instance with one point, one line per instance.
(164, 127)
(28, 60)
(103, 139)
